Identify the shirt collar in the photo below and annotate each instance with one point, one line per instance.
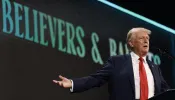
(135, 56)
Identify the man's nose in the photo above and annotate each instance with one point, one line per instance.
(145, 40)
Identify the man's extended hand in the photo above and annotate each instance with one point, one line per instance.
(64, 82)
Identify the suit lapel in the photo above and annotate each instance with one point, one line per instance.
(151, 66)
(128, 63)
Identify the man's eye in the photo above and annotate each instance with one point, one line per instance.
(141, 38)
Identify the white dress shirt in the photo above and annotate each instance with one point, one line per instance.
(135, 64)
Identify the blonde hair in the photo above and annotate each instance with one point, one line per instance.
(131, 33)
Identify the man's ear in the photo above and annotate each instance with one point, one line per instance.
(130, 44)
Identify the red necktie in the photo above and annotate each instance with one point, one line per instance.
(143, 81)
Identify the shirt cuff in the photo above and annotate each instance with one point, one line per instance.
(71, 89)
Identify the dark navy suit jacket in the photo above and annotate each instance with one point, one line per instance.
(118, 72)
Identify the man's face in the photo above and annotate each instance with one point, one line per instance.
(140, 43)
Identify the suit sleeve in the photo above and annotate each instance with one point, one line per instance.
(164, 85)
(94, 80)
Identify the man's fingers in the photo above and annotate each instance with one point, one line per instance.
(58, 82)
(61, 77)
(55, 81)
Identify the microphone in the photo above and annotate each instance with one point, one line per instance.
(163, 52)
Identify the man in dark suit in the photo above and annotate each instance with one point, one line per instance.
(131, 76)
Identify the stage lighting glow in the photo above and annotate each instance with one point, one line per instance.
(138, 16)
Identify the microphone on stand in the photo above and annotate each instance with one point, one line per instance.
(163, 52)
